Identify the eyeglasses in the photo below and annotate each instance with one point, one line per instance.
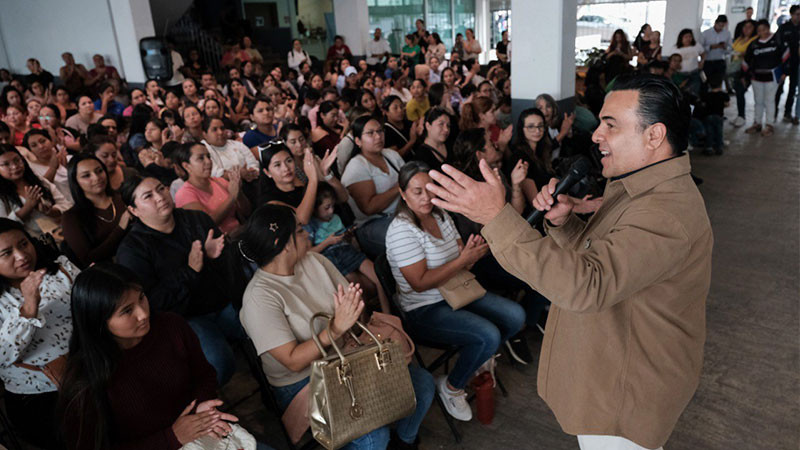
(534, 127)
(45, 117)
(372, 133)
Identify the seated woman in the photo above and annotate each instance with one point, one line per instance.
(401, 135)
(94, 227)
(86, 115)
(227, 154)
(135, 378)
(480, 113)
(46, 160)
(290, 286)
(433, 151)
(17, 120)
(26, 198)
(419, 103)
(279, 183)
(371, 180)
(424, 251)
(185, 267)
(559, 127)
(104, 149)
(329, 129)
(221, 199)
(35, 326)
(213, 108)
(193, 122)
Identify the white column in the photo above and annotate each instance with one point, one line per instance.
(352, 22)
(681, 14)
(542, 65)
(132, 21)
(483, 25)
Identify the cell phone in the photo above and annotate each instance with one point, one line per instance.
(345, 231)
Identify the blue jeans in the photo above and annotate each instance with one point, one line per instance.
(214, 330)
(424, 390)
(371, 236)
(376, 439)
(713, 125)
(697, 132)
(478, 329)
(740, 89)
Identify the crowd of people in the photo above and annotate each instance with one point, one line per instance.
(145, 231)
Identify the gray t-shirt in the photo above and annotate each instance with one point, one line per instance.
(276, 310)
(359, 169)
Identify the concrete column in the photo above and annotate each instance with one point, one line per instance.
(131, 21)
(681, 14)
(352, 22)
(543, 52)
(483, 25)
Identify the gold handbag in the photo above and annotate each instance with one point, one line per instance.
(356, 393)
(461, 290)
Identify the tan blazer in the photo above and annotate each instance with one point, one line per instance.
(623, 347)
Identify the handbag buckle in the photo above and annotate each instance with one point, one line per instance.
(344, 372)
(383, 359)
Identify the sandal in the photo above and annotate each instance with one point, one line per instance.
(768, 131)
(755, 128)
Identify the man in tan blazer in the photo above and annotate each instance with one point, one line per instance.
(623, 346)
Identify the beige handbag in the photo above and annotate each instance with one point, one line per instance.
(356, 393)
(461, 290)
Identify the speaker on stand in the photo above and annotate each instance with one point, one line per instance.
(156, 59)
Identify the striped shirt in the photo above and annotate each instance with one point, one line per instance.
(406, 244)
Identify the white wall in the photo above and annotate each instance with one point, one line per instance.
(43, 29)
(285, 10)
(681, 14)
(352, 22)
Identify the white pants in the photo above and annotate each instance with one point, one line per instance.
(764, 99)
(595, 442)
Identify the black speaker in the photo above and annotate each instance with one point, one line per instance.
(156, 59)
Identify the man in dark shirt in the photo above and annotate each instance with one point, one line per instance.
(38, 74)
(789, 35)
(502, 48)
(715, 102)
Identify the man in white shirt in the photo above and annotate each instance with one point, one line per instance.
(377, 49)
(717, 43)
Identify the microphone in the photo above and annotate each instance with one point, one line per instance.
(577, 171)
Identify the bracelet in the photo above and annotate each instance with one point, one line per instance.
(328, 177)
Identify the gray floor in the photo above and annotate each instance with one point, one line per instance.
(749, 395)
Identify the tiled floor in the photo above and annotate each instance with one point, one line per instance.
(749, 395)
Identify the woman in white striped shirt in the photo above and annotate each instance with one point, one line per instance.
(424, 251)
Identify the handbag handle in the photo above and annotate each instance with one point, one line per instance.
(329, 317)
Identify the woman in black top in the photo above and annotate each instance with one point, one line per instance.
(400, 135)
(530, 144)
(434, 149)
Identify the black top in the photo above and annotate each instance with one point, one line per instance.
(536, 170)
(762, 58)
(44, 77)
(268, 192)
(501, 48)
(161, 262)
(715, 102)
(789, 34)
(432, 157)
(394, 138)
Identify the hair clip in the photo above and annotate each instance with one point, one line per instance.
(273, 227)
(244, 255)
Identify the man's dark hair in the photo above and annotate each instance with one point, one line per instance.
(722, 18)
(793, 9)
(660, 101)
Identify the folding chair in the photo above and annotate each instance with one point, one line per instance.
(384, 273)
(268, 398)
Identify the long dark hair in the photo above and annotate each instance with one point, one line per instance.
(266, 233)
(684, 32)
(4, 96)
(407, 172)
(467, 143)
(83, 206)
(639, 42)
(140, 116)
(8, 190)
(44, 259)
(434, 113)
(542, 154)
(93, 351)
(626, 44)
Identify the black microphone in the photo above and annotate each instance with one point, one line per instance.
(577, 171)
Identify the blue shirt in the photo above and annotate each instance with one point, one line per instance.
(114, 107)
(255, 137)
(318, 230)
(711, 37)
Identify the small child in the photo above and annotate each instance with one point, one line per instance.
(715, 102)
(330, 238)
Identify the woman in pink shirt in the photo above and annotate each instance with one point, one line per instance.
(219, 198)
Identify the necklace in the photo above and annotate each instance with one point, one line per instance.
(113, 214)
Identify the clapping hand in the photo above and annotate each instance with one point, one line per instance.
(214, 246)
(348, 306)
(327, 161)
(519, 173)
(221, 428)
(190, 426)
(473, 250)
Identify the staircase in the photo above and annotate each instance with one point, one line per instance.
(187, 34)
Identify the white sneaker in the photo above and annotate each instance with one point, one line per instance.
(738, 122)
(454, 402)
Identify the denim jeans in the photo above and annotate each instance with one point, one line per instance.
(371, 236)
(791, 77)
(376, 439)
(740, 89)
(214, 330)
(478, 329)
(697, 132)
(424, 390)
(713, 126)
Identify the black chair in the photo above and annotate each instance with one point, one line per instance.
(384, 273)
(268, 398)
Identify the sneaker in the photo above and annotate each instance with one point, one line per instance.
(738, 122)
(796, 120)
(454, 402)
(518, 349)
(395, 443)
(787, 119)
(768, 131)
(754, 128)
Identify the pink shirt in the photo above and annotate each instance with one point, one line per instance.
(188, 193)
